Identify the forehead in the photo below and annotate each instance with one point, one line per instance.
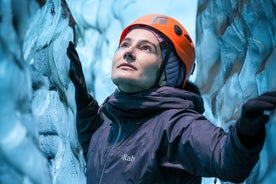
(142, 34)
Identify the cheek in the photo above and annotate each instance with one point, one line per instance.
(115, 60)
(151, 71)
(113, 64)
(153, 67)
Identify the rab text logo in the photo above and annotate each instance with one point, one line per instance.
(128, 158)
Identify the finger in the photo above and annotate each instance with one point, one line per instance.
(270, 93)
(73, 48)
(73, 77)
(71, 55)
(261, 120)
(71, 43)
(74, 74)
(268, 97)
(74, 59)
(71, 51)
(260, 106)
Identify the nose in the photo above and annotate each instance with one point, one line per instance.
(129, 55)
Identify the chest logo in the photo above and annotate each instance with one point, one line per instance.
(128, 158)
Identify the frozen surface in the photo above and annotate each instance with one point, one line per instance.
(38, 141)
(236, 61)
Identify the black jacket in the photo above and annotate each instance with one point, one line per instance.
(159, 136)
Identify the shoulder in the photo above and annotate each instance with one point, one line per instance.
(180, 118)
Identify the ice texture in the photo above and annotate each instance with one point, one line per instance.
(236, 61)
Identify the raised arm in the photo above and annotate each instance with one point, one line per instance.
(88, 119)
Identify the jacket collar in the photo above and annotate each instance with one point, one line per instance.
(139, 105)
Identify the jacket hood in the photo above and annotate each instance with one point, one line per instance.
(138, 105)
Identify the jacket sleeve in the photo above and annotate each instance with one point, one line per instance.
(195, 145)
(88, 121)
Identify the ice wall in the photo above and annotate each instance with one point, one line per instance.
(236, 56)
(37, 117)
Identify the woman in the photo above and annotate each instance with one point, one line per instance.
(151, 129)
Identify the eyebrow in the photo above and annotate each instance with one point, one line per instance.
(143, 41)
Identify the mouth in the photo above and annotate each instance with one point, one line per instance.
(126, 66)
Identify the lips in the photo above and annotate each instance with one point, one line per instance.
(127, 66)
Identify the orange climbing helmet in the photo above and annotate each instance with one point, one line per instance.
(175, 32)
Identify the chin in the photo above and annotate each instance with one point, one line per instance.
(124, 78)
(122, 81)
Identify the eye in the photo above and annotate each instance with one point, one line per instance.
(124, 44)
(146, 48)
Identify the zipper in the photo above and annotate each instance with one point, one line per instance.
(116, 122)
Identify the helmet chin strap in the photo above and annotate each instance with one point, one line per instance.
(168, 46)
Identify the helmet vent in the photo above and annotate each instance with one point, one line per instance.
(188, 38)
(177, 30)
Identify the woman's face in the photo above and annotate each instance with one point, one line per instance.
(136, 62)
